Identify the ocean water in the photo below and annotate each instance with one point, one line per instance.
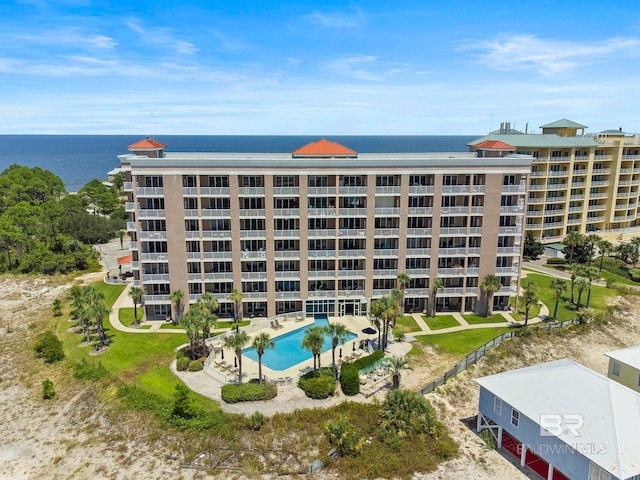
(78, 159)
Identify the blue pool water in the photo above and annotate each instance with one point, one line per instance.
(288, 351)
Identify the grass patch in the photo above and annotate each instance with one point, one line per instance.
(170, 326)
(463, 342)
(566, 310)
(478, 320)
(441, 321)
(225, 324)
(406, 324)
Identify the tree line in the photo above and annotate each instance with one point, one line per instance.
(44, 229)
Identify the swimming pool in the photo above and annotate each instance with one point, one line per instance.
(289, 351)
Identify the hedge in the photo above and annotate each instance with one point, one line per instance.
(634, 273)
(556, 261)
(369, 359)
(319, 387)
(349, 379)
(195, 366)
(182, 364)
(248, 392)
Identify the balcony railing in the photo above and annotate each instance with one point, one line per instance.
(416, 292)
(214, 234)
(352, 190)
(351, 273)
(251, 191)
(279, 254)
(390, 190)
(253, 234)
(286, 191)
(215, 213)
(254, 275)
(387, 211)
(321, 212)
(150, 192)
(322, 253)
(216, 255)
(418, 272)
(422, 189)
(352, 254)
(154, 257)
(418, 252)
(153, 235)
(156, 277)
(286, 233)
(352, 232)
(321, 273)
(385, 252)
(321, 233)
(320, 191)
(286, 212)
(386, 232)
(353, 212)
(215, 191)
(420, 232)
(145, 213)
(284, 275)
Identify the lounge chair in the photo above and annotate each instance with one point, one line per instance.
(273, 325)
(277, 324)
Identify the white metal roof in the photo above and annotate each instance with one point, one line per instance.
(610, 435)
(629, 356)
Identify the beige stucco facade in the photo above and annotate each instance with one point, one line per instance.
(324, 234)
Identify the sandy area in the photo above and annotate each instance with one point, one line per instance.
(75, 436)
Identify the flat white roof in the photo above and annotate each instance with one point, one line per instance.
(610, 411)
(629, 356)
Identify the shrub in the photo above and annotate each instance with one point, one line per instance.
(248, 392)
(488, 439)
(182, 364)
(183, 403)
(56, 307)
(556, 261)
(318, 388)
(48, 347)
(86, 370)
(195, 366)
(181, 353)
(349, 379)
(256, 420)
(405, 412)
(634, 273)
(369, 359)
(47, 389)
(344, 437)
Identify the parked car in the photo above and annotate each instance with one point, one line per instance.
(126, 275)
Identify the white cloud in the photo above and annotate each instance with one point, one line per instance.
(546, 57)
(73, 37)
(161, 36)
(350, 67)
(336, 20)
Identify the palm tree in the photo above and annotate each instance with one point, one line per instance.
(312, 341)
(581, 284)
(572, 241)
(236, 297)
(635, 253)
(490, 285)
(438, 284)
(605, 247)
(176, 298)
(209, 305)
(529, 299)
(559, 286)
(591, 241)
(338, 333)
(385, 308)
(136, 295)
(261, 343)
(591, 273)
(377, 323)
(237, 342)
(574, 271)
(396, 365)
(192, 322)
(403, 280)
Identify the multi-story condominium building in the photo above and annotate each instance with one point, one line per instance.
(577, 182)
(323, 229)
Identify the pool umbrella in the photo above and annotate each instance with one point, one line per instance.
(369, 331)
(235, 362)
(222, 352)
(340, 352)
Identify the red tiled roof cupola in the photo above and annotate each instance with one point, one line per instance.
(494, 145)
(324, 148)
(146, 144)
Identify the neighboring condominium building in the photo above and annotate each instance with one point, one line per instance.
(323, 229)
(577, 183)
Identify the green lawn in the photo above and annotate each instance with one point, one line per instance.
(441, 321)
(478, 320)
(170, 326)
(566, 310)
(461, 343)
(406, 324)
(225, 324)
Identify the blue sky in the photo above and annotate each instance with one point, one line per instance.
(287, 67)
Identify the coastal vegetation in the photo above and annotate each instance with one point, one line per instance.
(45, 230)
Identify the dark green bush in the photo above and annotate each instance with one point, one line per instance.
(248, 392)
(47, 390)
(48, 347)
(195, 366)
(318, 388)
(556, 261)
(343, 436)
(182, 364)
(181, 353)
(86, 370)
(634, 273)
(349, 379)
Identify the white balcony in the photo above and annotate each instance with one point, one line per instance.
(286, 191)
(150, 192)
(351, 273)
(453, 231)
(155, 277)
(601, 171)
(420, 210)
(215, 213)
(156, 299)
(286, 233)
(452, 272)
(251, 212)
(288, 275)
(321, 212)
(513, 209)
(377, 293)
(254, 295)
(507, 270)
(387, 211)
(127, 186)
(153, 235)
(216, 255)
(286, 212)
(514, 189)
(280, 254)
(448, 251)
(385, 273)
(131, 226)
(321, 191)
(419, 232)
(251, 191)
(214, 191)
(421, 189)
(443, 292)
(322, 253)
(352, 254)
(418, 272)
(509, 231)
(321, 233)
(214, 234)
(352, 212)
(321, 294)
(254, 275)
(287, 295)
(253, 255)
(133, 246)
(352, 232)
(418, 252)
(130, 207)
(389, 190)
(154, 257)
(343, 191)
(253, 234)
(386, 232)
(147, 213)
(324, 274)
(189, 191)
(385, 252)
(416, 292)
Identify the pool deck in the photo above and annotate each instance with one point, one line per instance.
(285, 377)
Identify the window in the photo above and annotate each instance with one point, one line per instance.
(497, 405)
(515, 417)
(615, 370)
(597, 473)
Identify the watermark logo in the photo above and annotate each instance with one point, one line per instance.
(555, 425)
